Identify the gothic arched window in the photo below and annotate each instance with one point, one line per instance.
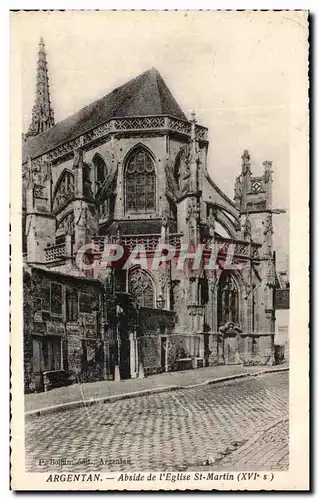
(64, 190)
(142, 288)
(140, 182)
(100, 170)
(227, 300)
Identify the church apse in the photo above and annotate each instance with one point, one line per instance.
(141, 179)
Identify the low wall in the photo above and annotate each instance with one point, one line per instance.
(244, 349)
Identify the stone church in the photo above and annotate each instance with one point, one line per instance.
(131, 169)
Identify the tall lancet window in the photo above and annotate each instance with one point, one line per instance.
(227, 299)
(140, 182)
(100, 171)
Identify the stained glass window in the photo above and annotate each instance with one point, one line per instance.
(141, 287)
(140, 182)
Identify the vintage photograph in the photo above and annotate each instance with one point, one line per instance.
(155, 246)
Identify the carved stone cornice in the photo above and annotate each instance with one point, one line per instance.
(115, 126)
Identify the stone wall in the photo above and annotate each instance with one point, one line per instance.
(246, 350)
(117, 151)
(154, 323)
(27, 328)
(257, 349)
(158, 328)
(79, 369)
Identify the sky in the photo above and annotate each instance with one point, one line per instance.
(235, 69)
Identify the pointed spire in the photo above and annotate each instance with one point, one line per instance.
(42, 112)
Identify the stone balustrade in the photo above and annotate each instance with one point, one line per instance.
(130, 241)
(55, 252)
(242, 248)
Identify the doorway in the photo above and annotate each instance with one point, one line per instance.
(125, 367)
(231, 350)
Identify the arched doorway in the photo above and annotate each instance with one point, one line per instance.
(141, 292)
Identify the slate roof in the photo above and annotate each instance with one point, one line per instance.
(147, 94)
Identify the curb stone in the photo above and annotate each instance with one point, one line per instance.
(90, 402)
(49, 410)
(239, 452)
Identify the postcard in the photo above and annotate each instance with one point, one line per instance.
(159, 250)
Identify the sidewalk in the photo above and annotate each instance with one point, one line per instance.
(104, 389)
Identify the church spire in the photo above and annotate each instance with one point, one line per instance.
(42, 112)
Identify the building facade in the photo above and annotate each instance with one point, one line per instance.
(130, 169)
(282, 315)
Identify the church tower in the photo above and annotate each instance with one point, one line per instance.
(253, 197)
(39, 221)
(42, 112)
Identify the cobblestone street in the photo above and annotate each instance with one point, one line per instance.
(234, 425)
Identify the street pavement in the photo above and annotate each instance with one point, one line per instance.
(228, 426)
(104, 388)
(269, 451)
